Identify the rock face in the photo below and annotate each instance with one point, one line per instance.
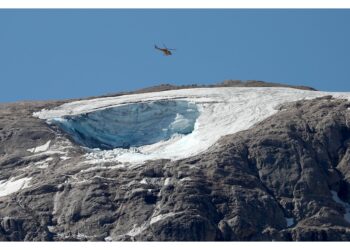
(287, 178)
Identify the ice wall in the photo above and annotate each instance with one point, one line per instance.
(130, 125)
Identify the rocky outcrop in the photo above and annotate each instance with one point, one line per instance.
(287, 178)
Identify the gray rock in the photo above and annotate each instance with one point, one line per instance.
(242, 188)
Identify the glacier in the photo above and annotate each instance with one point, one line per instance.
(213, 113)
(130, 125)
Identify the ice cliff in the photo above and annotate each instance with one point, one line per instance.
(131, 125)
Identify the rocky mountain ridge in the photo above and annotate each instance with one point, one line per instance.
(286, 178)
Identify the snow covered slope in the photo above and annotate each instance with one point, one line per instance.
(222, 111)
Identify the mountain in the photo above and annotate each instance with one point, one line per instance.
(236, 161)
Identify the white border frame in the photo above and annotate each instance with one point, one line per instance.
(178, 4)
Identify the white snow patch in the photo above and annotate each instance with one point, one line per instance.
(64, 235)
(290, 221)
(11, 186)
(344, 204)
(161, 217)
(53, 152)
(43, 164)
(95, 168)
(167, 181)
(41, 148)
(61, 147)
(185, 179)
(109, 238)
(63, 158)
(81, 236)
(136, 230)
(223, 111)
(52, 229)
(143, 181)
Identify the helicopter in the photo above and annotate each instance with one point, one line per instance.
(166, 51)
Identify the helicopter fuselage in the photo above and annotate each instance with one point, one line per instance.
(165, 51)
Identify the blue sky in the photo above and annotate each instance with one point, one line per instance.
(57, 54)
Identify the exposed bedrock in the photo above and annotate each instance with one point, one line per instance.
(287, 178)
